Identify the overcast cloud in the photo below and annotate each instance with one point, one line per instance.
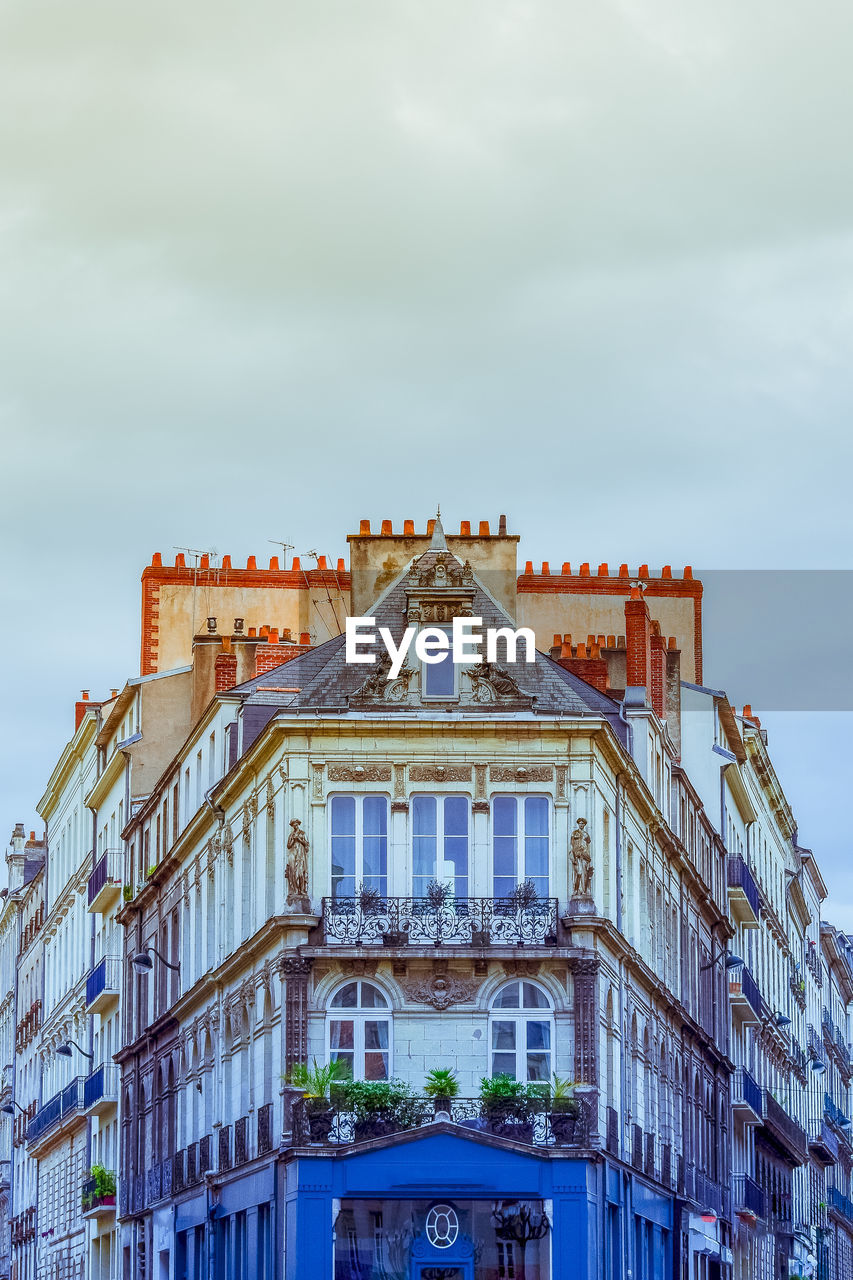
(267, 269)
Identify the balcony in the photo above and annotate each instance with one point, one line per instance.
(55, 1114)
(784, 1130)
(5, 1174)
(745, 997)
(840, 1203)
(744, 898)
(530, 1123)
(746, 1097)
(98, 1200)
(442, 921)
(823, 1144)
(103, 984)
(100, 1091)
(105, 881)
(836, 1117)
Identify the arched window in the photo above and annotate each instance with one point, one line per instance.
(360, 1031)
(521, 1032)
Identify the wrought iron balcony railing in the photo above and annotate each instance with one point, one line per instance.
(746, 1094)
(840, 1203)
(100, 1091)
(787, 1132)
(747, 1194)
(743, 891)
(59, 1107)
(103, 985)
(472, 922)
(531, 1123)
(823, 1143)
(105, 881)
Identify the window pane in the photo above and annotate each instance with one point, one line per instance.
(372, 997)
(539, 1035)
(538, 1066)
(456, 816)
(504, 815)
(375, 815)
(376, 1034)
(440, 677)
(424, 813)
(503, 1035)
(376, 1066)
(341, 1035)
(347, 997)
(503, 1064)
(343, 815)
(536, 815)
(375, 857)
(507, 998)
(534, 998)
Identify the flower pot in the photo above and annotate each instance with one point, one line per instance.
(505, 1123)
(374, 1127)
(320, 1116)
(442, 1104)
(395, 938)
(563, 1127)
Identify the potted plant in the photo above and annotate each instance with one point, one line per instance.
(104, 1190)
(506, 1106)
(316, 1082)
(127, 892)
(380, 1107)
(564, 1110)
(442, 1086)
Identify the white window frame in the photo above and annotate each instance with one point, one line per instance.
(454, 667)
(521, 835)
(439, 831)
(358, 871)
(520, 1017)
(359, 1016)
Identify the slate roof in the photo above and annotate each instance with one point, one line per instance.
(322, 680)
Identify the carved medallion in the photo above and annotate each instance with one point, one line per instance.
(440, 990)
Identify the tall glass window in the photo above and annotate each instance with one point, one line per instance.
(520, 1028)
(360, 1031)
(520, 843)
(440, 843)
(359, 844)
(439, 678)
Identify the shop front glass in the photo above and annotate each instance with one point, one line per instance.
(443, 1240)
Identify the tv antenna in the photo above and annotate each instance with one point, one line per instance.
(193, 551)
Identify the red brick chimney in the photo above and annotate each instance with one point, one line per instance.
(80, 709)
(638, 636)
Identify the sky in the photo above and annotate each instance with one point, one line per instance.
(269, 269)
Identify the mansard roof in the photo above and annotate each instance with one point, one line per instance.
(321, 680)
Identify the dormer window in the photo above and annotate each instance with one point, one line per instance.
(438, 678)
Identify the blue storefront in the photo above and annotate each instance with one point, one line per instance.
(449, 1203)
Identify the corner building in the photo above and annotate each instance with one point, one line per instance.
(336, 865)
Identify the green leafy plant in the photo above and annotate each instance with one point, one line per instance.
(127, 892)
(524, 896)
(505, 1099)
(441, 1084)
(104, 1188)
(151, 870)
(561, 1095)
(316, 1081)
(438, 894)
(382, 1106)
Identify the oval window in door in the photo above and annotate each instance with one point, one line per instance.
(442, 1226)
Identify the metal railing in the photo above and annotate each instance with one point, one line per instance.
(105, 977)
(739, 876)
(784, 1127)
(473, 922)
(745, 1090)
(60, 1106)
(840, 1202)
(102, 1084)
(530, 1122)
(109, 869)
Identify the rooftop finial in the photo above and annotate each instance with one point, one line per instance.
(438, 540)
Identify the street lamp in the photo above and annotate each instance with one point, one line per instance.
(66, 1050)
(143, 963)
(8, 1108)
(732, 961)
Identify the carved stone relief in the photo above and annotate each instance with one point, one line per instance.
(440, 773)
(359, 773)
(439, 990)
(521, 773)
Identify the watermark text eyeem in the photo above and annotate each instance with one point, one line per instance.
(463, 642)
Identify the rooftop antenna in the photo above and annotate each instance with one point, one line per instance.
(315, 557)
(285, 546)
(192, 551)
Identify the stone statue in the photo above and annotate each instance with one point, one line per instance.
(296, 871)
(581, 861)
